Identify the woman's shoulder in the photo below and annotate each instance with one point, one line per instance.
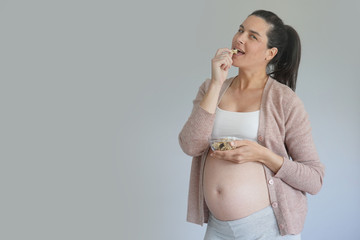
(283, 94)
(280, 90)
(279, 87)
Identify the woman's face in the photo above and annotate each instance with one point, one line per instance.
(251, 40)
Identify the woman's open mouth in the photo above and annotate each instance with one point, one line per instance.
(237, 51)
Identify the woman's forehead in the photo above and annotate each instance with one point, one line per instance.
(256, 24)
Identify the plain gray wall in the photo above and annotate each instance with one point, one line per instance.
(93, 95)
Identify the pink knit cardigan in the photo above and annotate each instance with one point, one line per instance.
(284, 128)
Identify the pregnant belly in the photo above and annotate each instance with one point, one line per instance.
(233, 191)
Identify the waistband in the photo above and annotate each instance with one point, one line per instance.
(268, 211)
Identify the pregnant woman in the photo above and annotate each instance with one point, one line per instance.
(258, 189)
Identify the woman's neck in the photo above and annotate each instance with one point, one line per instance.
(250, 80)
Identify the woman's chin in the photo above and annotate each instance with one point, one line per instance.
(237, 65)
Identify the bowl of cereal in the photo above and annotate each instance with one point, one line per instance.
(222, 143)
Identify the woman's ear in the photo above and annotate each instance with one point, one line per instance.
(271, 53)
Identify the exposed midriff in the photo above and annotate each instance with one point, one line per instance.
(233, 191)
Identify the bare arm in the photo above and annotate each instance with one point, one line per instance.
(220, 66)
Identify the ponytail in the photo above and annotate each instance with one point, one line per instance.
(284, 66)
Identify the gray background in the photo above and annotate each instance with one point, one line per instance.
(93, 95)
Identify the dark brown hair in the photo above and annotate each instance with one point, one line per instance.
(284, 66)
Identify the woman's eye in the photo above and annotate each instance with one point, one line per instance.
(252, 36)
(241, 31)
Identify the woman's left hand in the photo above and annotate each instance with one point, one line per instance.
(250, 151)
(245, 151)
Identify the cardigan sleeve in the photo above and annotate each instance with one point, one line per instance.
(194, 136)
(305, 172)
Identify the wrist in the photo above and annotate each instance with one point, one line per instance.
(264, 155)
(272, 160)
(215, 83)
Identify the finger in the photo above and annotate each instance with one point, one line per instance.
(223, 67)
(224, 64)
(221, 63)
(235, 158)
(222, 51)
(220, 58)
(228, 155)
(239, 143)
(229, 63)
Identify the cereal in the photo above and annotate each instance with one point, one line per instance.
(222, 144)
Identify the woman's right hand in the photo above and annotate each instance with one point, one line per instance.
(220, 65)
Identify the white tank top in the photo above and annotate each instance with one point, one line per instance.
(236, 124)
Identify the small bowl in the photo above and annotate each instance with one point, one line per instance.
(222, 144)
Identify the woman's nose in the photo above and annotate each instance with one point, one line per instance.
(240, 39)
